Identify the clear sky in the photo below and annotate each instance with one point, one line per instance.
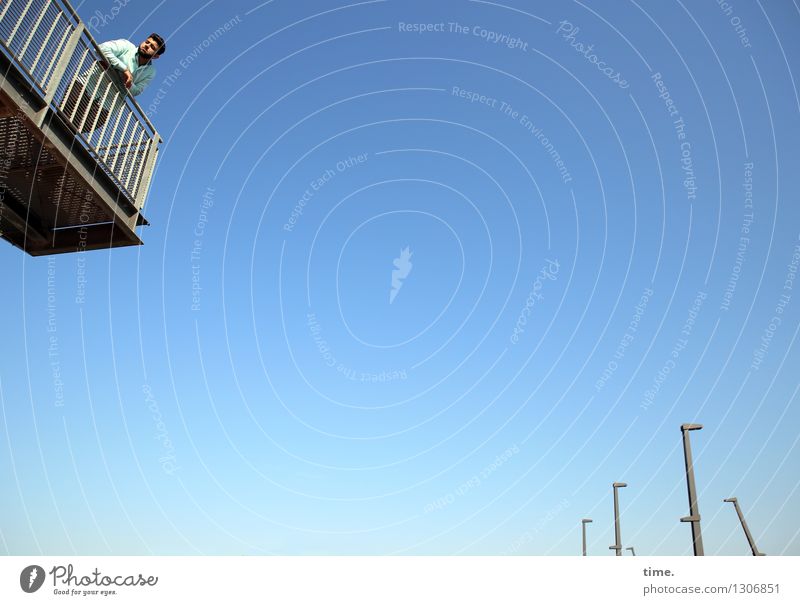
(426, 278)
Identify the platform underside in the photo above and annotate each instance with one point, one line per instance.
(52, 195)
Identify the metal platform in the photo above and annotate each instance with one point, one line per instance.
(76, 151)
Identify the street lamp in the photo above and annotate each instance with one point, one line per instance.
(583, 527)
(744, 527)
(633, 552)
(694, 511)
(618, 546)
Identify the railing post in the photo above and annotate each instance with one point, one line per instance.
(147, 172)
(60, 69)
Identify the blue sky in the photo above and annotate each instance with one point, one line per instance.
(599, 204)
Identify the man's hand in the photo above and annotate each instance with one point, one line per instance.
(127, 78)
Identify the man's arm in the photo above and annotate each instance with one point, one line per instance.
(144, 80)
(112, 51)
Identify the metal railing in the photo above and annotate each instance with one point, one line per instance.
(49, 44)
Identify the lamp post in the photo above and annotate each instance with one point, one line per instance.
(744, 527)
(618, 546)
(583, 528)
(633, 552)
(694, 511)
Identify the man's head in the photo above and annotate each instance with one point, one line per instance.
(153, 47)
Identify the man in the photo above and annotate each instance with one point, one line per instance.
(135, 64)
(91, 100)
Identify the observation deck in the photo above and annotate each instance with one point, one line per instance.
(76, 151)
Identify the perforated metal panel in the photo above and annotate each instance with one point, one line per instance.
(43, 201)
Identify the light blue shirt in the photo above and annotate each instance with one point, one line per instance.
(121, 55)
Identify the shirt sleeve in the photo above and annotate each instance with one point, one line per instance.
(112, 51)
(139, 86)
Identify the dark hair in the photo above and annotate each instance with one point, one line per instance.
(161, 44)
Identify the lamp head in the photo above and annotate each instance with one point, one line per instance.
(729, 500)
(586, 520)
(620, 485)
(691, 427)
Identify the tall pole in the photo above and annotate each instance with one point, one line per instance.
(618, 546)
(694, 511)
(745, 528)
(583, 527)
